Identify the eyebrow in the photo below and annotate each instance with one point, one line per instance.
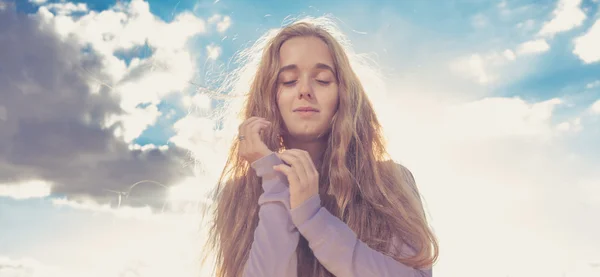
(318, 66)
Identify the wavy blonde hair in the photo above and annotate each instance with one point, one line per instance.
(359, 184)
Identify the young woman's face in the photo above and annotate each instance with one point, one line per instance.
(307, 89)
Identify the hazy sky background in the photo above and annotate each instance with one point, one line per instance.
(493, 105)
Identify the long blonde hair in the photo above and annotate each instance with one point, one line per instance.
(358, 181)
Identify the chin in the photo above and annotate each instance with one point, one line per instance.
(309, 136)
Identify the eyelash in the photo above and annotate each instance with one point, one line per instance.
(289, 83)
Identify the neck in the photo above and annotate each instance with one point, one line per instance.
(314, 148)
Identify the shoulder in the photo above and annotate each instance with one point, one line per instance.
(408, 179)
(407, 174)
(399, 171)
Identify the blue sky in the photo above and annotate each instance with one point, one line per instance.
(493, 105)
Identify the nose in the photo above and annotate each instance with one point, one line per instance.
(305, 89)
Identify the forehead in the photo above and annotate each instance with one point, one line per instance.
(305, 52)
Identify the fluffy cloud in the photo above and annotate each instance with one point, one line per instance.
(533, 47)
(593, 84)
(595, 108)
(498, 118)
(482, 68)
(66, 8)
(222, 22)
(587, 45)
(28, 267)
(24, 190)
(566, 16)
(154, 245)
(68, 116)
(487, 162)
(573, 125)
(213, 52)
(473, 67)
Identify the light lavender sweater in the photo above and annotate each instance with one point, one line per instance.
(334, 244)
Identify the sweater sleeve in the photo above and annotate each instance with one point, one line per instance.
(273, 251)
(338, 248)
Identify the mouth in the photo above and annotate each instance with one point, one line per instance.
(306, 110)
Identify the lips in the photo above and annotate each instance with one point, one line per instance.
(305, 109)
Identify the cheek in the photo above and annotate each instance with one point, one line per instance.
(333, 100)
(282, 100)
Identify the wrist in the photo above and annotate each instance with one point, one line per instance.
(262, 155)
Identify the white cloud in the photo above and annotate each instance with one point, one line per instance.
(566, 16)
(134, 122)
(222, 22)
(166, 245)
(489, 159)
(533, 47)
(481, 67)
(473, 67)
(66, 8)
(28, 267)
(590, 190)
(593, 84)
(595, 108)
(570, 126)
(213, 52)
(25, 190)
(128, 27)
(486, 68)
(587, 45)
(224, 25)
(195, 133)
(192, 190)
(498, 118)
(197, 101)
(509, 55)
(92, 206)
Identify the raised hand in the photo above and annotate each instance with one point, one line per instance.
(301, 174)
(251, 146)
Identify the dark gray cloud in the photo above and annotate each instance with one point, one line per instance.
(51, 124)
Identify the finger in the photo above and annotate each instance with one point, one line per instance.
(253, 135)
(307, 163)
(256, 126)
(247, 126)
(242, 126)
(288, 172)
(244, 146)
(292, 158)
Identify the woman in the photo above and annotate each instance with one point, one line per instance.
(311, 190)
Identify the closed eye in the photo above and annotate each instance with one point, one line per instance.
(289, 83)
(324, 82)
